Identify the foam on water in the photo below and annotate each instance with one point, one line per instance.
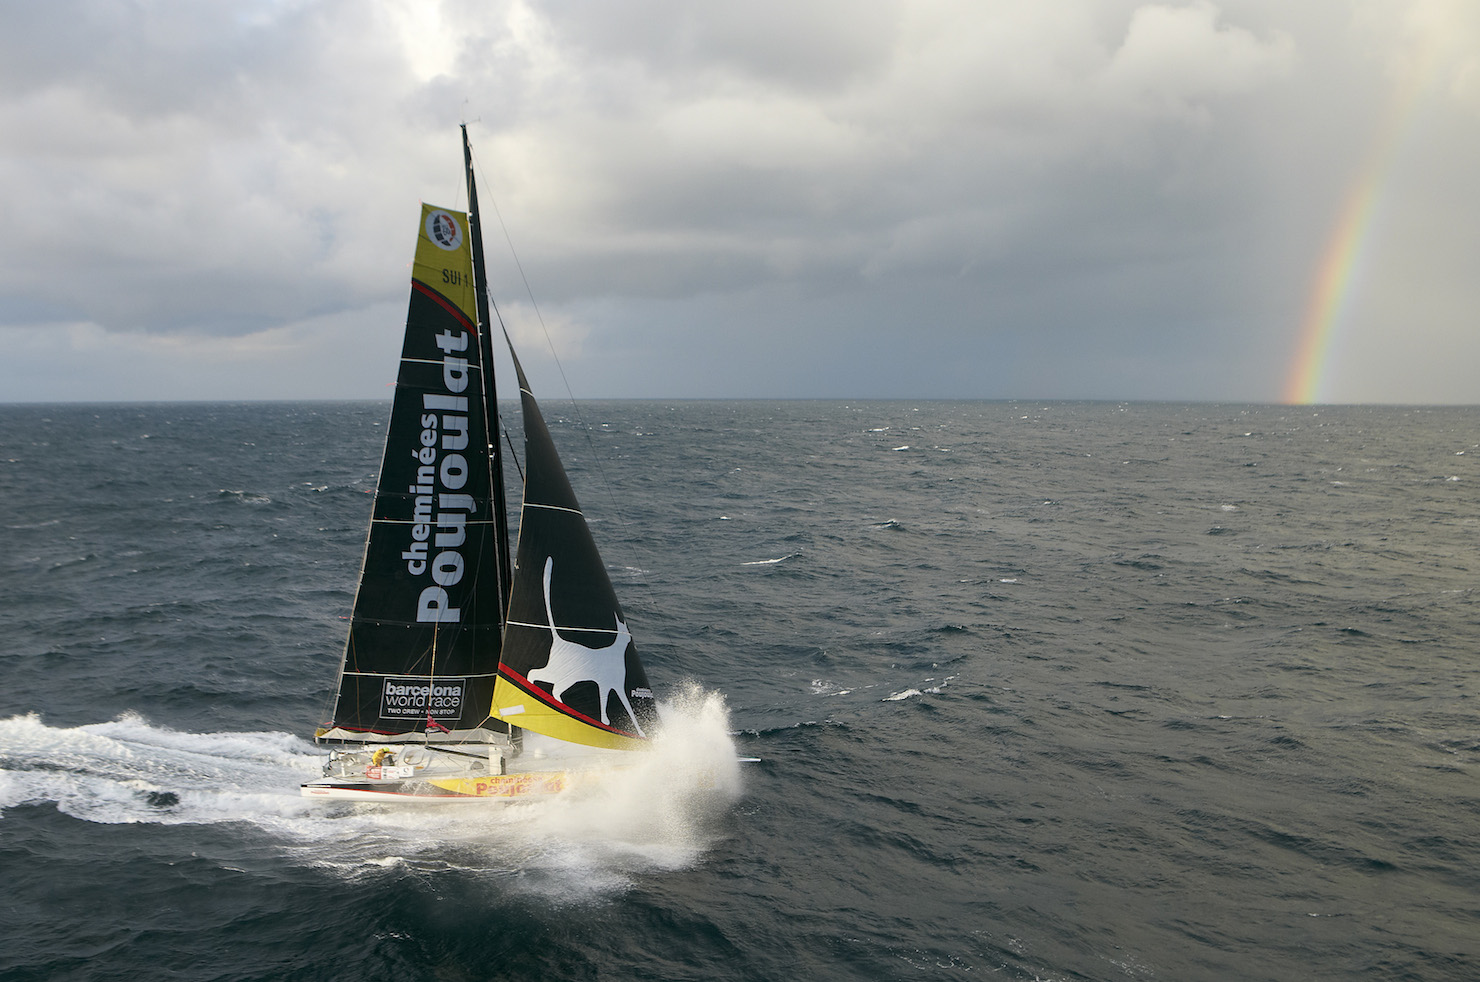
(913, 692)
(657, 812)
(110, 772)
(772, 562)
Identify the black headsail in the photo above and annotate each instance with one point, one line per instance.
(569, 667)
(424, 638)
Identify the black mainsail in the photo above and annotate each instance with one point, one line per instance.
(425, 632)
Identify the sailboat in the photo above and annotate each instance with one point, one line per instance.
(457, 648)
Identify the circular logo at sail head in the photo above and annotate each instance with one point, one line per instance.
(444, 230)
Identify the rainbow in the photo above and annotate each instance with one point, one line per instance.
(1333, 290)
(1336, 279)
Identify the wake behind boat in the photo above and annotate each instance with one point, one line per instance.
(454, 648)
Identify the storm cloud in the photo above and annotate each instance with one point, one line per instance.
(1064, 199)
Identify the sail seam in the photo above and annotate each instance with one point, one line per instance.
(411, 521)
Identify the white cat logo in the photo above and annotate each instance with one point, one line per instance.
(571, 663)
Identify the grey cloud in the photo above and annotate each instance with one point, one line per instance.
(1117, 198)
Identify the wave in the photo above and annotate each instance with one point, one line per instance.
(772, 562)
(787, 730)
(244, 497)
(48, 523)
(913, 693)
(827, 687)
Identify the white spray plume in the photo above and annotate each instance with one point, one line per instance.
(652, 811)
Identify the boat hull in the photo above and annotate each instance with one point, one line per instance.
(496, 787)
(431, 774)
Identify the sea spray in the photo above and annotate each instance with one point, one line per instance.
(667, 795)
(645, 812)
(650, 811)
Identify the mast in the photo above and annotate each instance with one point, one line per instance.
(490, 389)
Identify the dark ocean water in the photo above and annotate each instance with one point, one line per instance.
(1043, 691)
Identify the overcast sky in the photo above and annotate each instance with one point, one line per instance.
(1104, 199)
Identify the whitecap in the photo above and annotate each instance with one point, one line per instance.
(772, 562)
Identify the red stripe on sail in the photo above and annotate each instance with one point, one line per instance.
(444, 303)
(530, 688)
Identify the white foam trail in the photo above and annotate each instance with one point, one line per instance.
(772, 562)
(656, 813)
(912, 693)
(106, 772)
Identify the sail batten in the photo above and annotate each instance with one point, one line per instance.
(413, 675)
(566, 628)
(573, 511)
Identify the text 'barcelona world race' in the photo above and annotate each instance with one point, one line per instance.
(440, 508)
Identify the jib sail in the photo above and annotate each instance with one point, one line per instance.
(569, 668)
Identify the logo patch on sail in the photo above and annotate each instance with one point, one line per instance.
(444, 231)
(410, 698)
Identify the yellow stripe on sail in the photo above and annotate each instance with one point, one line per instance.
(518, 708)
(444, 258)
